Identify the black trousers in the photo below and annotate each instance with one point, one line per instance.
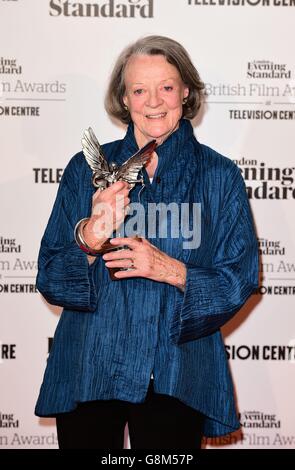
(160, 422)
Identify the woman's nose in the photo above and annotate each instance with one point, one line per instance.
(154, 99)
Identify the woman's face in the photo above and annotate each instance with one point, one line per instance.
(154, 95)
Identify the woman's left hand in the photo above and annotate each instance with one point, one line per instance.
(145, 260)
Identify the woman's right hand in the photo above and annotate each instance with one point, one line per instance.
(109, 208)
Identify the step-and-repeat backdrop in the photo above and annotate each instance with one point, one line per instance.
(55, 61)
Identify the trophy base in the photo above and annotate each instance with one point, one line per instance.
(107, 247)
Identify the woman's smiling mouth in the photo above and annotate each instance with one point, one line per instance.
(156, 116)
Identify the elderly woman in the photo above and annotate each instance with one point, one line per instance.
(146, 348)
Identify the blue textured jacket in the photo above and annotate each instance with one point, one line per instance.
(113, 334)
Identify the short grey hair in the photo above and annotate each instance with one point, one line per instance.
(175, 54)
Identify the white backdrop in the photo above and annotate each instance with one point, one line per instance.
(55, 61)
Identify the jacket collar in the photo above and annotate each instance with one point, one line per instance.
(170, 153)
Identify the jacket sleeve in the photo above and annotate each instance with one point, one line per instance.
(214, 294)
(65, 277)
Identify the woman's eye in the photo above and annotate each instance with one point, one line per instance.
(139, 91)
(168, 88)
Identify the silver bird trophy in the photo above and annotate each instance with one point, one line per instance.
(105, 174)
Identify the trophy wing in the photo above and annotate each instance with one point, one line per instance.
(93, 152)
(130, 169)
